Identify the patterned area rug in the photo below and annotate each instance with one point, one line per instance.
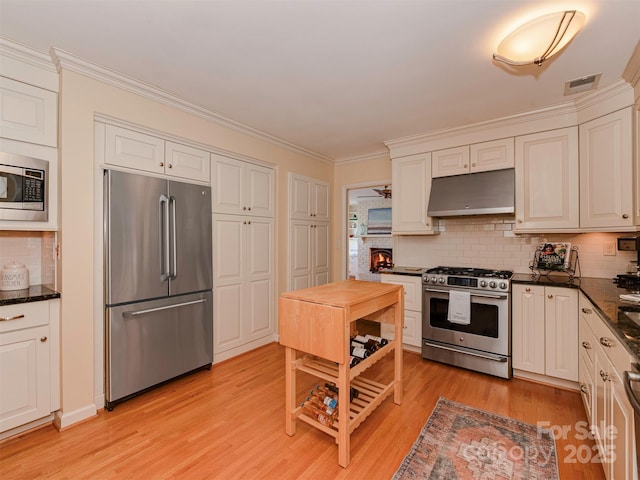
(460, 442)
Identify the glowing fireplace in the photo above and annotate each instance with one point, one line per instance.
(380, 258)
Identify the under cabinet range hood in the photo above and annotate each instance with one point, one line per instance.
(480, 193)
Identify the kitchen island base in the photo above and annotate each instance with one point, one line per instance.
(315, 327)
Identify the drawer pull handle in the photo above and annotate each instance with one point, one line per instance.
(43, 339)
(586, 345)
(605, 342)
(588, 311)
(527, 289)
(550, 296)
(15, 317)
(625, 216)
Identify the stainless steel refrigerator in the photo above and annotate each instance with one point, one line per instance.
(158, 285)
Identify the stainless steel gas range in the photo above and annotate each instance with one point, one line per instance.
(466, 318)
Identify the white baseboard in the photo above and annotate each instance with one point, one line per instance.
(552, 381)
(63, 420)
(27, 427)
(247, 347)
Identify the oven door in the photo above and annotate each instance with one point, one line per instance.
(489, 327)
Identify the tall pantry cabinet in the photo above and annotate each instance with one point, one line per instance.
(308, 232)
(243, 252)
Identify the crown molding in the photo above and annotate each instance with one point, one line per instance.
(68, 61)
(632, 71)
(27, 65)
(363, 158)
(617, 89)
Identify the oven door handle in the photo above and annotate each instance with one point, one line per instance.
(473, 294)
(485, 355)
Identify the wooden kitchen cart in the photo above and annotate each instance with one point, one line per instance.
(315, 326)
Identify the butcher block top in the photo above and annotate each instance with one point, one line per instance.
(317, 320)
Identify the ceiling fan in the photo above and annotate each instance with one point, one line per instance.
(382, 192)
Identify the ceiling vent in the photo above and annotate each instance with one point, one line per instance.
(581, 84)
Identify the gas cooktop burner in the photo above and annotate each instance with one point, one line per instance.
(628, 281)
(471, 272)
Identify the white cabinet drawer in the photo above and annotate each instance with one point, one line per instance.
(412, 289)
(23, 315)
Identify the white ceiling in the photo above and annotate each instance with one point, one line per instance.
(337, 78)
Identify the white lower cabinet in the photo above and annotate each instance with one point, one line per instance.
(243, 284)
(412, 329)
(603, 361)
(29, 365)
(545, 332)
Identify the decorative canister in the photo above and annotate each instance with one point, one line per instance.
(14, 276)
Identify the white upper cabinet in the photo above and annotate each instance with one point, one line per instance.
(28, 113)
(242, 188)
(546, 168)
(479, 157)
(606, 171)
(139, 151)
(308, 198)
(411, 178)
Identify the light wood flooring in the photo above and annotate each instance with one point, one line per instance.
(228, 423)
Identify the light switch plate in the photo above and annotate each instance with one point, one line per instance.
(609, 248)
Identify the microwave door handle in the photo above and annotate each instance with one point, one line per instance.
(164, 238)
(633, 400)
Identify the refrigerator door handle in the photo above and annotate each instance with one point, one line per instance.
(165, 269)
(174, 271)
(158, 309)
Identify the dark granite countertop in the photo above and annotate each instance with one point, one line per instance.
(35, 293)
(412, 271)
(605, 296)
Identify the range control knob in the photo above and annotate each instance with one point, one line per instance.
(492, 284)
(434, 279)
(441, 280)
(483, 283)
(503, 285)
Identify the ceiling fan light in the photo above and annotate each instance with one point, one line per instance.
(540, 38)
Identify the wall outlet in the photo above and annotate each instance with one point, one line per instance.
(609, 249)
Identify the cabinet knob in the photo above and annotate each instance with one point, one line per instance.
(550, 296)
(466, 165)
(624, 215)
(519, 220)
(605, 376)
(43, 339)
(584, 388)
(249, 208)
(586, 345)
(162, 164)
(244, 208)
(606, 342)
(170, 165)
(249, 222)
(527, 289)
(588, 311)
(473, 164)
(426, 224)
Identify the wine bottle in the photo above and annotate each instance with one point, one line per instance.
(353, 361)
(360, 352)
(380, 340)
(317, 401)
(353, 392)
(314, 412)
(325, 399)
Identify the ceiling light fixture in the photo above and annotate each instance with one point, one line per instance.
(537, 40)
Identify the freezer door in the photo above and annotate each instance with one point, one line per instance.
(136, 208)
(148, 343)
(190, 252)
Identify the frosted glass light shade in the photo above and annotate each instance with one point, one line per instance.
(539, 39)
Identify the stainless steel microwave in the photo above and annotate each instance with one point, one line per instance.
(23, 188)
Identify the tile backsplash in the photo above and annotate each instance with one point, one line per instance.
(34, 250)
(489, 242)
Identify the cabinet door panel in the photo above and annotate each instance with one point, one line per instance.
(126, 148)
(452, 161)
(547, 180)
(259, 248)
(228, 264)
(299, 197)
(528, 329)
(187, 162)
(24, 376)
(259, 317)
(228, 185)
(260, 184)
(411, 190)
(606, 171)
(28, 113)
(494, 155)
(320, 201)
(560, 333)
(228, 311)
